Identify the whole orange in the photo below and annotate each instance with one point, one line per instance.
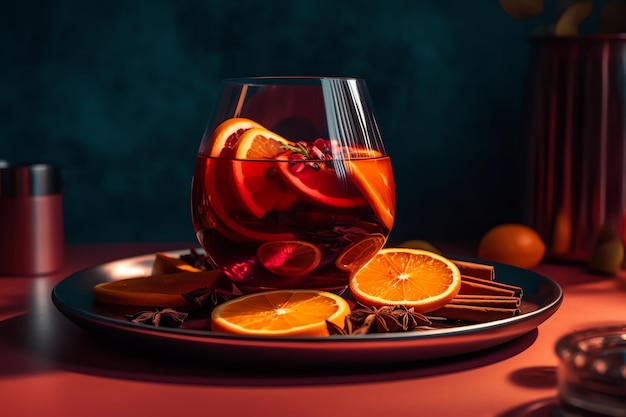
(512, 244)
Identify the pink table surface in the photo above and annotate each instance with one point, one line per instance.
(51, 367)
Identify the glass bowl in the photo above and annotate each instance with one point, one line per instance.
(592, 371)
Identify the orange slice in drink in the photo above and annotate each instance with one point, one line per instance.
(357, 253)
(319, 183)
(374, 178)
(414, 278)
(289, 258)
(166, 264)
(219, 196)
(155, 290)
(280, 313)
(259, 187)
(260, 144)
(228, 133)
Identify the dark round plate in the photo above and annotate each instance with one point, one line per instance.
(74, 298)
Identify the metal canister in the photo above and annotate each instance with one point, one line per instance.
(32, 238)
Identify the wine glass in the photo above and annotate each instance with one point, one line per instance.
(292, 186)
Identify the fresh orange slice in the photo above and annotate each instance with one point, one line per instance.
(228, 133)
(357, 253)
(259, 187)
(320, 184)
(289, 258)
(414, 278)
(374, 178)
(155, 290)
(166, 264)
(280, 313)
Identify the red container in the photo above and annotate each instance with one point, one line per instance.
(32, 239)
(577, 127)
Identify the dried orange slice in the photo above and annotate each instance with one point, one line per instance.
(228, 133)
(374, 178)
(404, 276)
(289, 258)
(357, 253)
(166, 264)
(280, 313)
(259, 188)
(155, 290)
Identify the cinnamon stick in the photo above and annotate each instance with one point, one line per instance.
(471, 287)
(486, 297)
(481, 298)
(487, 301)
(516, 290)
(475, 269)
(474, 313)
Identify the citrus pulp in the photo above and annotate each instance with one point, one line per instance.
(414, 278)
(280, 313)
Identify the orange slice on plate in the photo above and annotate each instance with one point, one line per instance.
(227, 134)
(414, 278)
(374, 178)
(155, 290)
(258, 186)
(166, 264)
(357, 253)
(280, 313)
(320, 184)
(289, 258)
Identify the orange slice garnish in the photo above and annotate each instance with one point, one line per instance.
(410, 277)
(260, 144)
(357, 253)
(166, 264)
(227, 134)
(374, 178)
(280, 313)
(258, 186)
(289, 258)
(155, 290)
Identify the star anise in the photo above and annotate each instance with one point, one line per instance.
(197, 260)
(386, 319)
(349, 327)
(166, 317)
(207, 298)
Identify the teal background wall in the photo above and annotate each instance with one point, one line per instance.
(118, 93)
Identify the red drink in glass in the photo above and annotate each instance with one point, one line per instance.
(292, 186)
(298, 242)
